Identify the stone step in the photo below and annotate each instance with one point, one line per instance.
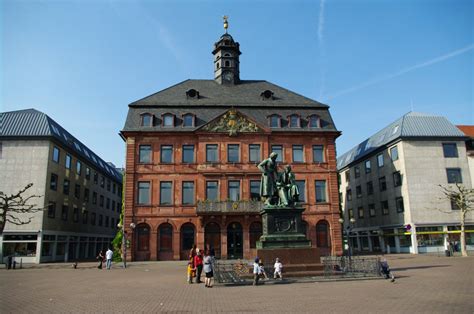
(302, 267)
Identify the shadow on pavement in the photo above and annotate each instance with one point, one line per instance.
(418, 267)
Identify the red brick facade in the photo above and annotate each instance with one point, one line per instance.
(149, 218)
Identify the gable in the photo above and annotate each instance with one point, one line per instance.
(232, 122)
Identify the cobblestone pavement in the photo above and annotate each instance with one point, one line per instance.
(425, 284)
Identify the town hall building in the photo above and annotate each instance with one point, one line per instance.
(192, 152)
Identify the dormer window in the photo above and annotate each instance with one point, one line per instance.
(275, 121)
(188, 120)
(294, 120)
(147, 119)
(267, 94)
(192, 93)
(168, 120)
(314, 121)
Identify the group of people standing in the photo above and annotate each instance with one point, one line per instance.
(197, 262)
(107, 257)
(259, 270)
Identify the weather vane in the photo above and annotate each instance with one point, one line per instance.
(226, 24)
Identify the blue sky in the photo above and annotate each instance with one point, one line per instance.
(83, 62)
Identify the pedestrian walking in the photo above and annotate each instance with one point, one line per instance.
(198, 263)
(100, 259)
(278, 267)
(108, 255)
(386, 269)
(256, 271)
(262, 272)
(208, 269)
(191, 269)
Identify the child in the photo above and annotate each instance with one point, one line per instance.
(262, 272)
(386, 269)
(191, 269)
(278, 267)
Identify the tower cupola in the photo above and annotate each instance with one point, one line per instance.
(226, 58)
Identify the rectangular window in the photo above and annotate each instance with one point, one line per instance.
(301, 184)
(78, 167)
(112, 223)
(102, 181)
(368, 166)
(53, 184)
(212, 192)
(106, 221)
(320, 191)
(96, 177)
(255, 190)
(55, 154)
(68, 161)
(85, 217)
(211, 153)
(382, 184)
(254, 153)
(234, 190)
(370, 188)
(75, 214)
(349, 194)
(356, 171)
(77, 191)
(93, 218)
(454, 205)
(348, 176)
(114, 188)
(188, 154)
(450, 150)
(384, 206)
(394, 153)
(397, 178)
(144, 154)
(118, 206)
(86, 195)
(380, 160)
(371, 210)
(165, 193)
(88, 173)
(66, 187)
(233, 153)
(143, 193)
(454, 175)
(64, 212)
(94, 197)
(360, 212)
(279, 150)
(108, 185)
(113, 205)
(318, 153)
(107, 203)
(298, 153)
(101, 201)
(166, 154)
(52, 209)
(399, 204)
(351, 213)
(101, 218)
(358, 191)
(188, 193)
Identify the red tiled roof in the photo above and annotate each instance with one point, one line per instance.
(467, 129)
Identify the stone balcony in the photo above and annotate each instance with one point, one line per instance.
(228, 207)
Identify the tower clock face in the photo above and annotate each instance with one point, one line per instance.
(228, 76)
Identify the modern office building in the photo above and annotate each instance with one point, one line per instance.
(192, 155)
(390, 186)
(81, 193)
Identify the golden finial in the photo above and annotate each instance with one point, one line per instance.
(226, 24)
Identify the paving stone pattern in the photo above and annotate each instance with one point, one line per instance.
(425, 284)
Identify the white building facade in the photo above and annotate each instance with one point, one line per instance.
(390, 187)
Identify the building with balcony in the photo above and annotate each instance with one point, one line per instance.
(80, 193)
(192, 156)
(390, 187)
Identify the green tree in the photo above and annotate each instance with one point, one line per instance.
(117, 241)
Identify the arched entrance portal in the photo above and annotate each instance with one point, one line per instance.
(142, 252)
(212, 238)
(165, 242)
(187, 239)
(322, 237)
(235, 241)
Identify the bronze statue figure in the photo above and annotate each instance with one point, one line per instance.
(287, 189)
(268, 188)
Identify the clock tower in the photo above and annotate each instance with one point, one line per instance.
(226, 59)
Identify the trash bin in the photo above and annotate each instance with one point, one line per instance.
(447, 253)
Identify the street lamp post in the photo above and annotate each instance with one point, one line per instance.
(124, 241)
(348, 232)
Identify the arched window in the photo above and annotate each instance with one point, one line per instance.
(255, 231)
(314, 121)
(212, 238)
(147, 119)
(275, 121)
(235, 240)
(227, 63)
(168, 120)
(187, 236)
(217, 65)
(294, 121)
(143, 237)
(227, 54)
(166, 237)
(188, 120)
(322, 234)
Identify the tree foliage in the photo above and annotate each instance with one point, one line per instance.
(15, 206)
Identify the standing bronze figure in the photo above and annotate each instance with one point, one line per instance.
(268, 187)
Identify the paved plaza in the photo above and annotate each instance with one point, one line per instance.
(425, 284)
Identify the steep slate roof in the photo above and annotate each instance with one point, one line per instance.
(410, 125)
(33, 123)
(215, 99)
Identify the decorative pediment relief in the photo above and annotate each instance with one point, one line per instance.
(232, 122)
